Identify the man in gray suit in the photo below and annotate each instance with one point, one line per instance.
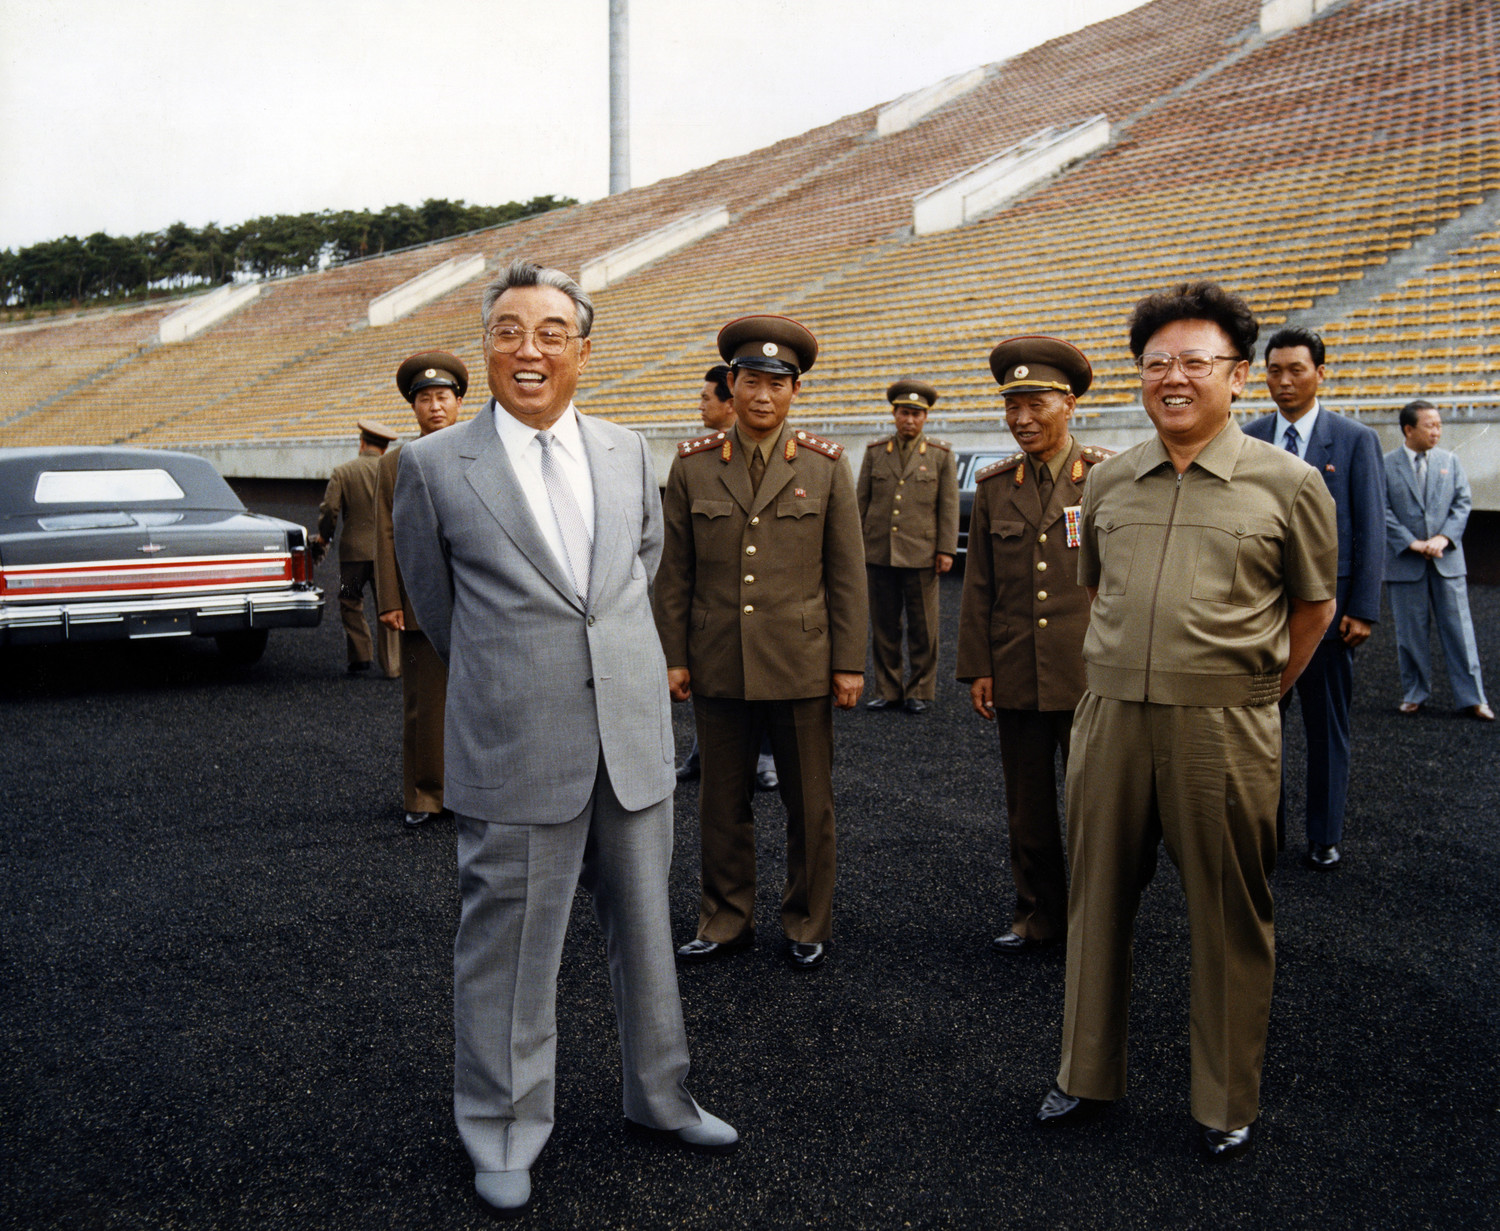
(527, 538)
(1427, 508)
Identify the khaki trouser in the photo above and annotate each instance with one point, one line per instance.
(1205, 781)
(424, 695)
(913, 591)
(729, 735)
(353, 578)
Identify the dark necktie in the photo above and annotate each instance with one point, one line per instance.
(1292, 440)
(757, 468)
(1044, 483)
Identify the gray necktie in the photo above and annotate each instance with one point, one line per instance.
(577, 545)
(1292, 440)
(1420, 462)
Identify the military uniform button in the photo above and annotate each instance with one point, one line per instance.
(749, 578)
(750, 551)
(1042, 623)
(895, 512)
(1041, 538)
(1041, 566)
(1041, 596)
(755, 521)
(748, 608)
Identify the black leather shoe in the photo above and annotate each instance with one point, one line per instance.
(1323, 858)
(913, 706)
(356, 668)
(805, 956)
(880, 703)
(700, 950)
(1012, 942)
(1219, 1145)
(1059, 1109)
(766, 780)
(420, 818)
(689, 769)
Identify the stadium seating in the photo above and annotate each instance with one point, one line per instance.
(1293, 169)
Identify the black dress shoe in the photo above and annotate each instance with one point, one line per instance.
(1218, 1144)
(1059, 1108)
(689, 769)
(420, 818)
(700, 950)
(1323, 858)
(804, 956)
(880, 703)
(356, 668)
(914, 706)
(1012, 942)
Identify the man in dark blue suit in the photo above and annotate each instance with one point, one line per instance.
(1347, 455)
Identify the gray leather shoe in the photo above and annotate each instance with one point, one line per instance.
(505, 1194)
(709, 1136)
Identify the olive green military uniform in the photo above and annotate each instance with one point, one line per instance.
(761, 596)
(350, 495)
(1178, 739)
(1022, 622)
(424, 676)
(908, 505)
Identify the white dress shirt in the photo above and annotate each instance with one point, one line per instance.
(525, 453)
(1304, 428)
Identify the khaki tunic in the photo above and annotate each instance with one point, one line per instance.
(351, 495)
(424, 676)
(1178, 740)
(761, 595)
(1022, 621)
(909, 512)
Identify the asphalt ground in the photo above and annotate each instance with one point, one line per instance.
(226, 974)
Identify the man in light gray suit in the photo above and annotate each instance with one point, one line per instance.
(528, 538)
(1427, 508)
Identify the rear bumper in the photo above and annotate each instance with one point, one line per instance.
(200, 615)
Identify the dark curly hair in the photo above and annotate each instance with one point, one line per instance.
(1200, 301)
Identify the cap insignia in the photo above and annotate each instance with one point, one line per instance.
(769, 350)
(430, 373)
(1021, 372)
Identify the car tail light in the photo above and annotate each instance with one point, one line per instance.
(301, 569)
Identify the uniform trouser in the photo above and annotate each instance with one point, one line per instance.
(517, 884)
(1325, 690)
(1413, 604)
(1205, 781)
(729, 735)
(1029, 743)
(354, 576)
(914, 592)
(424, 695)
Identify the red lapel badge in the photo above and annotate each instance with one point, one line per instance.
(1329, 468)
(799, 491)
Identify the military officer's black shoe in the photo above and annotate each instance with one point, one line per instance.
(356, 668)
(700, 950)
(1059, 1109)
(689, 769)
(420, 818)
(1219, 1145)
(804, 956)
(915, 706)
(1012, 942)
(880, 703)
(1323, 858)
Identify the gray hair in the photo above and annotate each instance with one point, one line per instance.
(526, 273)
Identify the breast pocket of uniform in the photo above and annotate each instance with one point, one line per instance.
(1116, 555)
(1236, 562)
(715, 532)
(1007, 530)
(798, 506)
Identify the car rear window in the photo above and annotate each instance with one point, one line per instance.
(105, 486)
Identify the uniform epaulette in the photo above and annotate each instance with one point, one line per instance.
(1000, 467)
(699, 443)
(1093, 454)
(818, 445)
(939, 444)
(883, 440)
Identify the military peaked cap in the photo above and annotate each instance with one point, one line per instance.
(910, 392)
(1035, 364)
(769, 344)
(376, 432)
(431, 367)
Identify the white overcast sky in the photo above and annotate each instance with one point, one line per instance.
(127, 115)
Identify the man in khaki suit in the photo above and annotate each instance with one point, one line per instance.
(434, 382)
(350, 494)
(1023, 615)
(908, 504)
(760, 604)
(1210, 559)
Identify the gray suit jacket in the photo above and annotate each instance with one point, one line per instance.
(1409, 518)
(539, 686)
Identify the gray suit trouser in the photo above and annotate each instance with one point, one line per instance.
(1413, 604)
(517, 883)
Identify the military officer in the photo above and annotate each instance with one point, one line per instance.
(434, 382)
(1210, 559)
(760, 603)
(350, 494)
(1023, 615)
(908, 504)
